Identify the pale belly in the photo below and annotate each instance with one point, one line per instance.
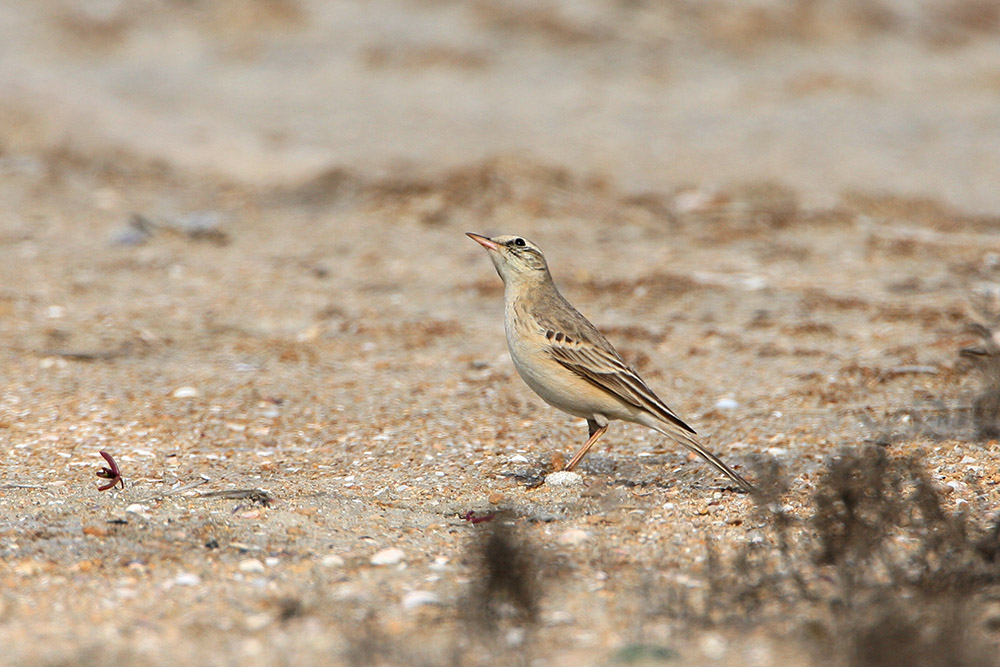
(561, 388)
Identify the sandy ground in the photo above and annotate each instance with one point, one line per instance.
(778, 213)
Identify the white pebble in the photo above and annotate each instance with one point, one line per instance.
(557, 617)
(141, 511)
(573, 537)
(332, 560)
(515, 636)
(186, 392)
(518, 458)
(419, 598)
(251, 565)
(390, 556)
(714, 646)
(727, 404)
(255, 622)
(564, 478)
(187, 579)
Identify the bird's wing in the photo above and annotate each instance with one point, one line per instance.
(604, 368)
(577, 344)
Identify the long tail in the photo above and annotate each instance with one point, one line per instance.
(688, 440)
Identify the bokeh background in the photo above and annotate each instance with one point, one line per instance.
(820, 95)
(232, 255)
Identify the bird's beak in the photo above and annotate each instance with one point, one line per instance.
(484, 241)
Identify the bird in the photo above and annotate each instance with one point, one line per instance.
(564, 359)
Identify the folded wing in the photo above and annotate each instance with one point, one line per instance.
(608, 371)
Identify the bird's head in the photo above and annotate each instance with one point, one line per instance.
(515, 258)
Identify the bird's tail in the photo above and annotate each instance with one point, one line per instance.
(691, 442)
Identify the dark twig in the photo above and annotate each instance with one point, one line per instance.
(473, 518)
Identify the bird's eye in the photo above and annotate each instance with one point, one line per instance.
(519, 242)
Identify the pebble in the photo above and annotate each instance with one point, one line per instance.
(186, 392)
(138, 509)
(957, 486)
(515, 636)
(558, 617)
(332, 560)
(694, 199)
(95, 531)
(202, 226)
(137, 231)
(187, 579)
(714, 646)
(29, 568)
(255, 622)
(518, 458)
(727, 404)
(251, 565)
(416, 599)
(564, 478)
(574, 537)
(390, 556)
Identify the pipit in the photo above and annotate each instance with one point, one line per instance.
(568, 362)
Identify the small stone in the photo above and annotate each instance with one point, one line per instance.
(202, 226)
(186, 392)
(557, 617)
(390, 556)
(138, 509)
(515, 636)
(137, 231)
(495, 498)
(88, 565)
(518, 458)
(187, 579)
(251, 648)
(714, 646)
(272, 561)
(29, 568)
(419, 598)
(564, 478)
(574, 537)
(727, 404)
(255, 622)
(332, 560)
(251, 565)
(557, 461)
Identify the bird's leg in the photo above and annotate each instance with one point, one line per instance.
(595, 433)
